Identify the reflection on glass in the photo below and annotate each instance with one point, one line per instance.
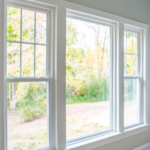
(13, 23)
(41, 28)
(40, 60)
(27, 26)
(13, 59)
(27, 60)
(131, 102)
(87, 78)
(26, 115)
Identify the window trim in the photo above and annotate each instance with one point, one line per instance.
(49, 76)
(83, 17)
(139, 75)
(60, 10)
(107, 139)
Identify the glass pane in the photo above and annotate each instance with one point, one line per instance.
(13, 23)
(129, 65)
(27, 115)
(134, 43)
(27, 26)
(40, 60)
(134, 65)
(129, 42)
(27, 60)
(13, 59)
(87, 78)
(131, 101)
(41, 28)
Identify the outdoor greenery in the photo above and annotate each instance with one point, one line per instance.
(31, 97)
(87, 74)
(88, 66)
(32, 102)
(87, 69)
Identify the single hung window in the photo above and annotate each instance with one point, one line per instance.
(27, 78)
(132, 78)
(88, 78)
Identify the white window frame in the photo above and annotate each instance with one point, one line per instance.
(58, 102)
(85, 17)
(139, 75)
(49, 76)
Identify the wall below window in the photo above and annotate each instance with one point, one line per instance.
(138, 10)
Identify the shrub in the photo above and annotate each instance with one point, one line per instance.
(30, 113)
(31, 99)
(91, 91)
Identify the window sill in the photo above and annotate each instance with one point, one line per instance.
(106, 139)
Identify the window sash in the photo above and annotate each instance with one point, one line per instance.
(86, 18)
(49, 77)
(47, 73)
(139, 76)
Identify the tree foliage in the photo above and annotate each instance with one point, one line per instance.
(87, 67)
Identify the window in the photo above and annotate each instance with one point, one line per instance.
(132, 79)
(71, 78)
(27, 78)
(88, 78)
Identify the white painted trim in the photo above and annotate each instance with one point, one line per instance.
(2, 115)
(110, 138)
(146, 79)
(49, 78)
(60, 78)
(90, 11)
(144, 147)
(30, 79)
(120, 77)
(60, 131)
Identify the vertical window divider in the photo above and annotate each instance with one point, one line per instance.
(21, 42)
(114, 37)
(111, 80)
(126, 51)
(132, 55)
(34, 43)
(60, 78)
(145, 86)
(120, 77)
(3, 74)
(140, 75)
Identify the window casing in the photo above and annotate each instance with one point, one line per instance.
(133, 73)
(30, 44)
(97, 24)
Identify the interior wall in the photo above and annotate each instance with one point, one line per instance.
(138, 10)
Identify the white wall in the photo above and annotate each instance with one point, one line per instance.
(138, 10)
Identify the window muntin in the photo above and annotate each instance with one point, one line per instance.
(27, 29)
(88, 78)
(132, 79)
(27, 84)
